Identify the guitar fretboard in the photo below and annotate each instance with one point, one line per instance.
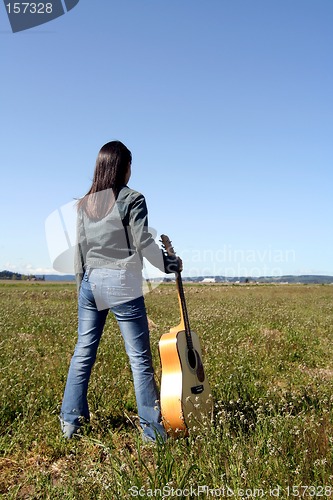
(181, 294)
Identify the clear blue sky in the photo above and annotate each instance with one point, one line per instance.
(226, 105)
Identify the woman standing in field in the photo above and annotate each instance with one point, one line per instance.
(112, 239)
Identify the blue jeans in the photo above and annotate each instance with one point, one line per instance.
(111, 288)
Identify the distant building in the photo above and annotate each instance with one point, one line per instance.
(209, 280)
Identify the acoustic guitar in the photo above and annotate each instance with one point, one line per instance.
(186, 399)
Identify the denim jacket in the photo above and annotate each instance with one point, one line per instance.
(120, 239)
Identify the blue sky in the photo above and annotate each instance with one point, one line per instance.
(226, 106)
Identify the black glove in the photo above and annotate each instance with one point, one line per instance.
(172, 264)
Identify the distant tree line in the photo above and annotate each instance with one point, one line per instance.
(9, 275)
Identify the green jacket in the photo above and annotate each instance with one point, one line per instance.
(120, 239)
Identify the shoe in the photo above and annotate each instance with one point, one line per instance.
(69, 430)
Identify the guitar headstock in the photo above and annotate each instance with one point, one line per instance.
(167, 245)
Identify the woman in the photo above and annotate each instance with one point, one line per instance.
(112, 239)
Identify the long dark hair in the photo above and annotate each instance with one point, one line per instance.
(111, 168)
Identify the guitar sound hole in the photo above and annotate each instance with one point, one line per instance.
(192, 359)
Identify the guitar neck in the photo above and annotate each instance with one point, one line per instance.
(184, 320)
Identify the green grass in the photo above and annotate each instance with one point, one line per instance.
(269, 359)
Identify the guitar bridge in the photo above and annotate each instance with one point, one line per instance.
(197, 389)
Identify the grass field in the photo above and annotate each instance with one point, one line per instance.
(269, 359)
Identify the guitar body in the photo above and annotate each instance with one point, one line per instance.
(185, 392)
